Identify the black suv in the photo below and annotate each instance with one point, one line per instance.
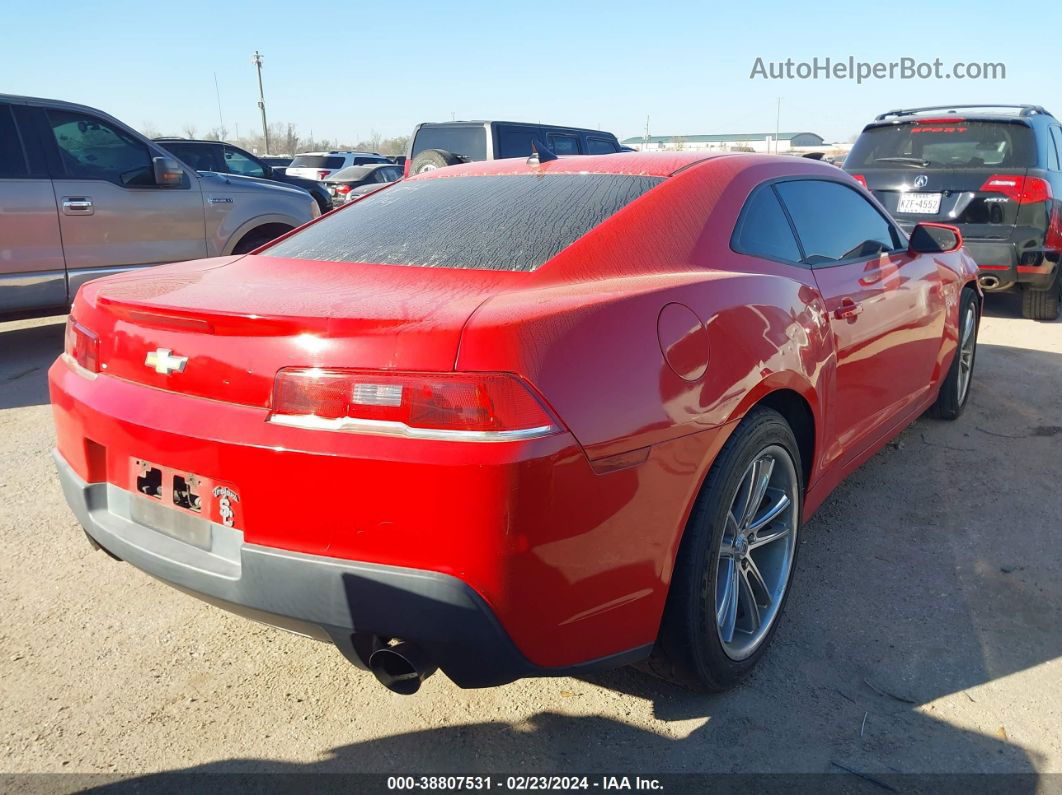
(995, 171)
(223, 158)
(439, 144)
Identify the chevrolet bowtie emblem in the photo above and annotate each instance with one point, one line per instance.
(163, 361)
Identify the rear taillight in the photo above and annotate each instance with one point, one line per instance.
(343, 189)
(459, 406)
(1053, 239)
(1024, 190)
(322, 173)
(860, 179)
(82, 346)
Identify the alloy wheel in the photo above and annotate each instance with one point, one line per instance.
(756, 552)
(966, 352)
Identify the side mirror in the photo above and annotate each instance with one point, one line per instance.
(168, 172)
(927, 238)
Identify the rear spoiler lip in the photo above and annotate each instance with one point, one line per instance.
(982, 118)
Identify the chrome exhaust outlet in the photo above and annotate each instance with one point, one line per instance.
(989, 282)
(401, 668)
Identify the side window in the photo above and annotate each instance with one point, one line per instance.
(600, 146)
(564, 144)
(763, 230)
(198, 156)
(515, 141)
(238, 163)
(1056, 139)
(92, 149)
(834, 222)
(12, 158)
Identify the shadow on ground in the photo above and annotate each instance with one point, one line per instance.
(26, 353)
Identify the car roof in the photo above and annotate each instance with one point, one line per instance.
(655, 164)
(341, 152)
(514, 123)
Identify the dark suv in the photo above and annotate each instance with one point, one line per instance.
(439, 144)
(223, 158)
(995, 171)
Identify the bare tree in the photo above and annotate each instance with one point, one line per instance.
(216, 134)
(188, 130)
(149, 130)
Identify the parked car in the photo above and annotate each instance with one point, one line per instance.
(321, 165)
(993, 171)
(83, 195)
(278, 163)
(224, 158)
(440, 144)
(351, 179)
(504, 424)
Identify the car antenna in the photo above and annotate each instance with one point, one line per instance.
(540, 153)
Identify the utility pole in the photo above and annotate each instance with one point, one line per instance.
(645, 141)
(221, 119)
(256, 59)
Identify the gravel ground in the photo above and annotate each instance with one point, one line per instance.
(923, 634)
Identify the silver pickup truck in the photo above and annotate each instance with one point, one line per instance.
(82, 195)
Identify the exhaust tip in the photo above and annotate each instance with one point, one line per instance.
(400, 668)
(989, 282)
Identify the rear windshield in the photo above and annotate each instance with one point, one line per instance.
(509, 223)
(351, 172)
(958, 145)
(468, 141)
(317, 161)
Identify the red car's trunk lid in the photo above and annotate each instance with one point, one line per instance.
(229, 324)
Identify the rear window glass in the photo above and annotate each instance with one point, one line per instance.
(510, 223)
(317, 161)
(958, 145)
(351, 172)
(468, 141)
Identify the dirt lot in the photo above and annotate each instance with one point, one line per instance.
(924, 632)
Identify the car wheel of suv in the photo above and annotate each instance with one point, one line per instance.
(431, 159)
(736, 560)
(256, 239)
(1042, 304)
(955, 389)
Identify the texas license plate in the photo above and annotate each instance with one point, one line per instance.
(923, 203)
(181, 504)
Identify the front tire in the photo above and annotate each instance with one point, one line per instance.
(736, 560)
(253, 240)
(955, 390)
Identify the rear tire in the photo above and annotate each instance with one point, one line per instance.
(955, 389)
(1042, 304)
(707, 641)
(431, 159)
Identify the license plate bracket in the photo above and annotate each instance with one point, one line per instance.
(181, 504)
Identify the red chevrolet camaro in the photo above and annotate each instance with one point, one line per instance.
(515, 418)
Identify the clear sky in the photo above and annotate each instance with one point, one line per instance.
(342, 70)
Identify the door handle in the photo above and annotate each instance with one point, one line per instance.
(848, 309)
(77, 205)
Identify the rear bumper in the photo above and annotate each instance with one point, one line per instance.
(573, 565)
(345, 602)
(1019, 259)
